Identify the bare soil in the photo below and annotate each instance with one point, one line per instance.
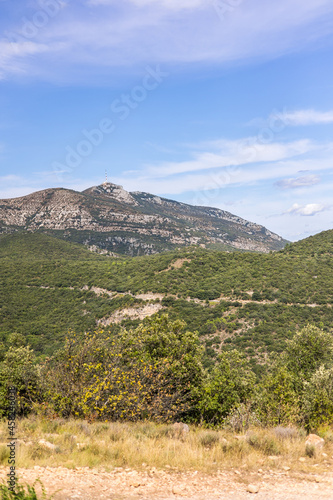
(152, 484)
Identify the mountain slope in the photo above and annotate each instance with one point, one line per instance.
(247, 300)
(109, 218)
(319, 244)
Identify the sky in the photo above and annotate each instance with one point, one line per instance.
(222, 103)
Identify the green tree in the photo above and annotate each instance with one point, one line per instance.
(18, 370)
(310, 348)
(318, 398)
(230, 383)
(277, 402)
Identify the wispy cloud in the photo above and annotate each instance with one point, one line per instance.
(12, 54)
(298, 182)
(307, 117)
(209, 170)
(306, 210)
(224, 153)
(183, 32)
(165, 4)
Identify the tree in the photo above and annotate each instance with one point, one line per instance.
(18, 370)
(310, 348)
(294, 389)
(318, 398)
(277, 401)
(231, 383)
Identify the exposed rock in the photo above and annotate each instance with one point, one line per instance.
(180, 430)
(316, 441)
(47, 444)
(107, 218)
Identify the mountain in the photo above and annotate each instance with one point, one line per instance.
(107, 218)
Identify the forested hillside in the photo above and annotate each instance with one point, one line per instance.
(250, 301)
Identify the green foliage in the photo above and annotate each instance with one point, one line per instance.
(46, 290)
(308, 350)
(18, 370)
(278, 403)
(299, 388)
(230, 383)
(24, 492)
(148, 373)
(318, 398)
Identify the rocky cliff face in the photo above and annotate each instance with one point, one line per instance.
(109, 218)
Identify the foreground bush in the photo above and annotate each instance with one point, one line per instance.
(148, 373)
(23, 492)
(155, 372)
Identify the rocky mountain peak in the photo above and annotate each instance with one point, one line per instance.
(112, 219)
(114, 191)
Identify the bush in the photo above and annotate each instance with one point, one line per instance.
(230, 383)
(318, 399)
(18, 370)
(152, 372)
(23, 492)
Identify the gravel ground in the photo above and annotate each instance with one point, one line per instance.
(126, 484)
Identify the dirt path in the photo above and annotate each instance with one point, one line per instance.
(120, 484)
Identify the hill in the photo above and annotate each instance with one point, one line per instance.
(38, 246)
(108, 218)
(246, 300)
(319, 244)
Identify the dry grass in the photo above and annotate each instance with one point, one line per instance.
(109, 445)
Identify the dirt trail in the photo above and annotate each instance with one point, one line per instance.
(151, 484)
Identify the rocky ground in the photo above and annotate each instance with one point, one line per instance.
(152, 484)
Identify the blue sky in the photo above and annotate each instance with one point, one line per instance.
(224, 103)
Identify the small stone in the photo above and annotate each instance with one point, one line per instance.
(252, 488)
(324, 455)
(302, 459)
(260, 471)
(317, 479)
(286, 468)
(236, 472)
(178, 491)
(273, 457)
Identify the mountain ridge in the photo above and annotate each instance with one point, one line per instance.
(110, 218)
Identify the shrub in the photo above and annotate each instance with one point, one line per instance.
(209, 439)
(18, 370)
(23, 492)
(230, 383)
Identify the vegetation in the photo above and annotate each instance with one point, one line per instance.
(233, 341)
(144, 445)
(155, 372)
(251, 302)
(23, 492)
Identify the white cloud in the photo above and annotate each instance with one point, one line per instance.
(225, 153)
(13, 53)
(128, 34)
(165, 4)
(307, 210)
(307, 117)
(298, 182)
